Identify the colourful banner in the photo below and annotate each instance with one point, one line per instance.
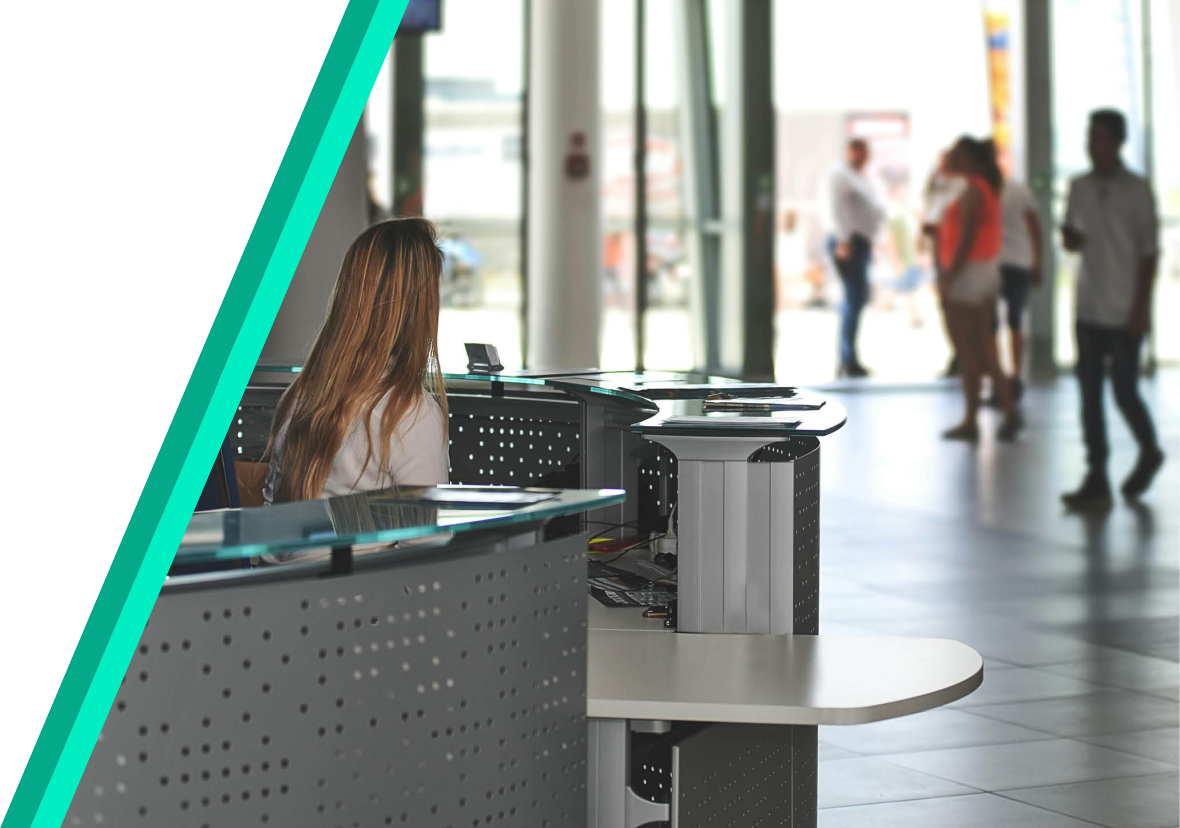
(997, 26)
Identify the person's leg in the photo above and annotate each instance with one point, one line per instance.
(1092, 349)
(971, 352)
(857, 288)
(959, 327)
(1124, 376)
(1093, 343)
(1016, 284)
(993, 319)
(847, 328)
(989, 358)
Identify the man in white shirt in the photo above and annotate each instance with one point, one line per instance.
(856, 217)
(1111, 220)
(1020, 267)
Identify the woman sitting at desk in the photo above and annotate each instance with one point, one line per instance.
(368, 410)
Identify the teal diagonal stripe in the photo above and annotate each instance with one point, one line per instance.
(222, 370)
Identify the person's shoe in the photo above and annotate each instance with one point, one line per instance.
(993, 401)
(853, 371)
(1093, 496)
(1010, 427)
(1143, 473)
(965, 433)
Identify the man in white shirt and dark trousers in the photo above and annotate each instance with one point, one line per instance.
(1111, 220)
(856, 218)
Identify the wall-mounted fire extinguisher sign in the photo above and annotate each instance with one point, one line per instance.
(577, 160)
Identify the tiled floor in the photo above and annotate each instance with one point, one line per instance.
(1078, 618)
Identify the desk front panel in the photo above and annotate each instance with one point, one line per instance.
(448, 691)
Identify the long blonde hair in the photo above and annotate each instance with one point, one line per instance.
(378, 339)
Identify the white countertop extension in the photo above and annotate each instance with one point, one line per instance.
(767, 679)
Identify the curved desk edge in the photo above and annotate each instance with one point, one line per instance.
(771, 679)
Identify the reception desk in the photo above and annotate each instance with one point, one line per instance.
(597, 717)
(389, 658)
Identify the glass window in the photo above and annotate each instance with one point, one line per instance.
(1097, 63)
(667, 322)
(1165, 107)
(472, 173)
(379, 132)
(617, 351)
(909, 78)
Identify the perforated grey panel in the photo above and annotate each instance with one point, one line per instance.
(807, 542)
(803, 452)
(804, 776)
(494, 440)
(447, 692)
(514, 442)
(733, 776)
(251, 425)
(657, 487)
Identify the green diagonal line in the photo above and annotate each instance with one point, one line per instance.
(230, 352)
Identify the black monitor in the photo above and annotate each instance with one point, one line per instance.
(421, 16)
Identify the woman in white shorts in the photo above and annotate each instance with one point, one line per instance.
(969, 237)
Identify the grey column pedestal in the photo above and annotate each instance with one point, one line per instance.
(748, 528)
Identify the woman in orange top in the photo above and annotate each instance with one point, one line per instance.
(969, 238)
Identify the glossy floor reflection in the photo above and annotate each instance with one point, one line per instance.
(1078, 618)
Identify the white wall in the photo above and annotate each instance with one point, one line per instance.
(343, 217)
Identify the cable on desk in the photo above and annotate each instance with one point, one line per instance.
(631, 548)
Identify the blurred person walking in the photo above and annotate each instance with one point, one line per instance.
(1111, 220)
(941, 190)
(1020, 271)
(856, 217)
(969, 241)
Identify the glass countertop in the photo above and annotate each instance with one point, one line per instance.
(675, 399)
(377, 517)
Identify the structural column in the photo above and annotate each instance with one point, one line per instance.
(343, 216)
(747, 296)
(409, 124)
(564, 234)
(1038, 30)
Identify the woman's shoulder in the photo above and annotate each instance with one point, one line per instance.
(427, 414)
(422, 418)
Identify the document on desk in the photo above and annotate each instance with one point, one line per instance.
(732, 419)
(754, 405)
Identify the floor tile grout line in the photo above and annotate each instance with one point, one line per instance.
(1004, 793)
(1053, 737)
(972, 791)
(1052, 811)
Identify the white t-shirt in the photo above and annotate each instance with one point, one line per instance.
(1117, 216)
(854, 204)
(418, 455)
(943, 191)
(1016, 201)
